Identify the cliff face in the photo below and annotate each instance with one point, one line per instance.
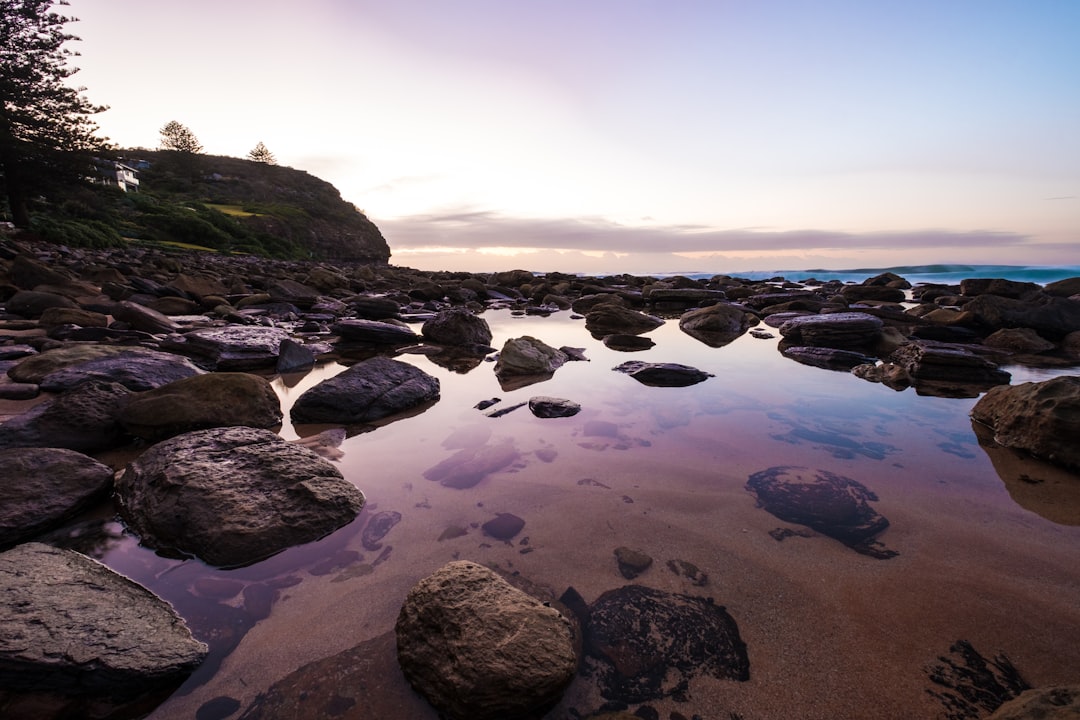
(289, 211)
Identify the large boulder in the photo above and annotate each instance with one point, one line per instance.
(480, 649)
(135, 368)
(202, 401)
(232, 496)
(84, 419)
(69, 625)
(457, 326)
(368, 391)
(1042, 418)
(716, 325)
(42, 487)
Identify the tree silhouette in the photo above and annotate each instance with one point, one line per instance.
(46, 134)
(260, 153)
(175, 136)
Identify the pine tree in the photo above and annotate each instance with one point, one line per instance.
(47, 136)
(175, 136)
(260, 153)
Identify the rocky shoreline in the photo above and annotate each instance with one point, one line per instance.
(165, 354)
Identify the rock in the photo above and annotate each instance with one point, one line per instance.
(609, 319)
(377, 527)
(135, 368)
(682, 297)
(140, 317)
(826, 502)
(42, 487)
(662, 374)
(457, 326)
(374, 332)
(84, 419)
(480, 649)
(1060, 702)
(1063, 288)
(56, 316)
(1051, 317)
(232, 496)
(32, 303)
(467, 467)
(627, 343)
(1001, 287)
(71, 626)
(503, 526)
(27, 273)
(836, 330)
(645, 644)
(199, 286)
(631, 562)
(294, 357)
(232, 347)
(368, 391)
(35, 368)
(528, 358)
(881, 293)
(1018, 340)
(549, 407)
(927, 362)
(825, 357)
(1042, 418)
(373, 308)
(202, 401)
(716, 325)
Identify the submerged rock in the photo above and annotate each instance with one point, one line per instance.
(69, 625)
(368, 391)
(826, 502)
(1042, 418)
(232, 496)
(480, 649)
(467, 467)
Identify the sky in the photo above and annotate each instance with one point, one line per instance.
(631, 135)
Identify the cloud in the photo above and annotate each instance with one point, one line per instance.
(480, 229)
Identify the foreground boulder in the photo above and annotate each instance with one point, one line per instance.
(202, 401)
(368, 391)
(1041, 418)
(42, 487)
(232, 496)
(480, 649)
(69, 625)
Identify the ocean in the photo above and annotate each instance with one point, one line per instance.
(949, 274)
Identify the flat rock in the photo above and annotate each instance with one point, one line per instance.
(70, 625)
(831, 504)
(645, 644)
(716, 325)
(825, 357)
(365, 392)
(374, 332)
(232, 496)
(1042, 418)
(663, 374)
(839, 330)
(42, 487)
(926, 360)
(233, 347)
(480, 649)
(135, 368)
(202, 401)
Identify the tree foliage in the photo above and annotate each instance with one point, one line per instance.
(47, 135)
(260, 153)
(175, 136)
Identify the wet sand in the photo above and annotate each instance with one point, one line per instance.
(830, 633)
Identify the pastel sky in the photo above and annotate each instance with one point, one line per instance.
(632, 135)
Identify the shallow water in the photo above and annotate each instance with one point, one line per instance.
(830, 632)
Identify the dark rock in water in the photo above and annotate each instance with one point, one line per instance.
(380, 523)
(610, 319)
(136, 369)
(217, 708)
(1058, 702)
(690, 571)
(838, 330)
(970, 685)
(374, 332)
(1018, 340)
(662, 374)
(717, 325)
(232, 496)
(549, 407)
(457, 326)
(368, 391)
(628, 343)
(1051, 317)
(84, 419)
(42, 487)
(293, 357)
(1042, 418)
(480, 649)
(470, 465)
(645, 644)
(526, 356)
(824, 357)
(831, 504)
(631, 562)
(503, 526)
(203, 401)
(232, 347)
(927, 361)
(71, 626)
